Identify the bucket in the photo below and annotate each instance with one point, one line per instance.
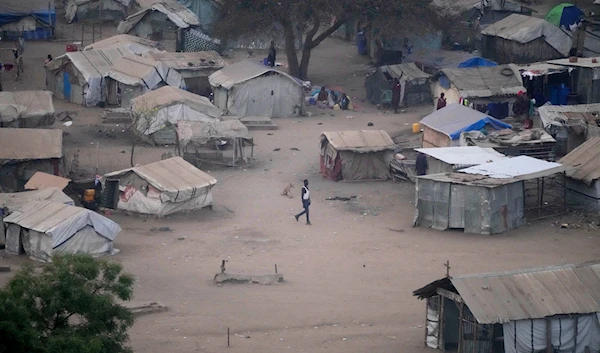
(88, 195)
(416, 128)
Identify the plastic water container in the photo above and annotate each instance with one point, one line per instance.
(361, 43)
(89, 195)
(416, 128)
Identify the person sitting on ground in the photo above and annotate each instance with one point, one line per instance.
(441, 102)
(323, 95)
(344, 102)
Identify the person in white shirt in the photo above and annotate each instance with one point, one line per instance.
(305, 202)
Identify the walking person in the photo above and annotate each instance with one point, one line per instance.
(272, 55)
(305, 202)
(396, 91)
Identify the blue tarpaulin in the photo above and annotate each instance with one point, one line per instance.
(478, 125)
(13, 11)
(476, 62)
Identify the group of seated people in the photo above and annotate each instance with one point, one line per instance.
(333, 98)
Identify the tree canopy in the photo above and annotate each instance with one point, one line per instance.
(69, 307)
(315, 20)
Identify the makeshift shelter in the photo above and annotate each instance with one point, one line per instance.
(207, 142)
(32, 19)
(586, 84)
(491, 88)
(137, 45)
(46, 228)
(533, 142)
(163, 21)
(14, 201)
(431, 60)
(195, 67)
(443, 127)
(160, 188)
(23, 152)
(207, 11)
(546, 82)
(97, 10)
(564, 15)
(571, 124)
(41, 180)
(550, 309)
(415, 84)
(490, 198)
(524, 39)
(157, 112)
(449, 159)
(28, 109)
(131, 76)
(249, 88)
(356, 155)
(78, 77)
(583, 188)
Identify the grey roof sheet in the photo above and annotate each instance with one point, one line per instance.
(407, 71)
(521, 168)
(584, 161)
(241, 72)
(486, 81)
(28, 144)
(526, 294)
(169, 95)
(360, 141)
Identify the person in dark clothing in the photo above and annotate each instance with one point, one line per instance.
(305, 202)
(272, 55)
(396, 90)
(344, 102)
(421, 165)
(441, 102)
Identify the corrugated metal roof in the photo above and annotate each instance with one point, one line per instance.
(486, 81)
(524, 29)
(25, 104)
(521, 168)
(173, 175)
(527, 294)
(466, 155)
(456, 117)
(360, 141)
(199, 60)
(92, 63)
(169, 95)
(584, 161)
(136, 44)
(28, 144)
(241, 72)
(407, 71)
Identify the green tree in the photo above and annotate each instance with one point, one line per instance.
(67, 307)
(315, 20)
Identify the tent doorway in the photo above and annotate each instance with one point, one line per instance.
(110, 194)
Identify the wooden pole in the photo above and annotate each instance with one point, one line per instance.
(228, 337)
(275, 268)
(549, 348)
(97, 156)
(82, 27)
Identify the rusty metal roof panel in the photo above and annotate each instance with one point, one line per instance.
(585, 161)
(531, 294)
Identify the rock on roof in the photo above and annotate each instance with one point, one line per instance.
(486, 81)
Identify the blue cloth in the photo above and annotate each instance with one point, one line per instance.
(495, 123)
(476, 62)
(45, 17)
(570, 15)
(498, 110)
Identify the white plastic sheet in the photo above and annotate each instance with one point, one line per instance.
(151, 203)
(526, 336)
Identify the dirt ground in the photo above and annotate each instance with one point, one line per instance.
(348, 278)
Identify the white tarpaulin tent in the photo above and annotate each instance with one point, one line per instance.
(47, 228)
(248, 88)
(168, 105)
(28, 109)
(135, 76)
(162, 188)
(136, 44)
(78, 77)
